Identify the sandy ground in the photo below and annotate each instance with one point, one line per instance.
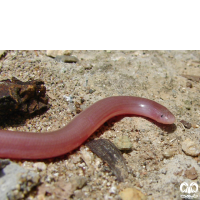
(155, 75)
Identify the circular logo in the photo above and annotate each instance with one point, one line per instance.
(192, 188)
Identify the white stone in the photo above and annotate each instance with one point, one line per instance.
(54, 53)
(190, 147)
(40, 166)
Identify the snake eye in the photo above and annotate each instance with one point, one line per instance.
(162, 116)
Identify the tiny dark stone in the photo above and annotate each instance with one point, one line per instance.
(109, 153)
(82, 100)
(186, 124)
(189, 84)
(91, 91)
(191, 173)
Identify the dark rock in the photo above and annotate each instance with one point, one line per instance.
(186, 124)
(27, 97)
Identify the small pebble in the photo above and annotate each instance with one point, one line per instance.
(68, 98)
(66, 59)
(132, 194)
(190, 147)
(88, 66)
(78, 194)
(113, 189)
(191, 173)
(78, 182)
(194, 125)
(178, 173)
(87, 156)
(40, 166)
(189, 84)
(91, 91)
(123, 142)
(168, 153)
(186, 124)
(54, 53)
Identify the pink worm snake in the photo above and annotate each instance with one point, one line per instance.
(30, 145)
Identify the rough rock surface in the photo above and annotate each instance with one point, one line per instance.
(16, 182)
